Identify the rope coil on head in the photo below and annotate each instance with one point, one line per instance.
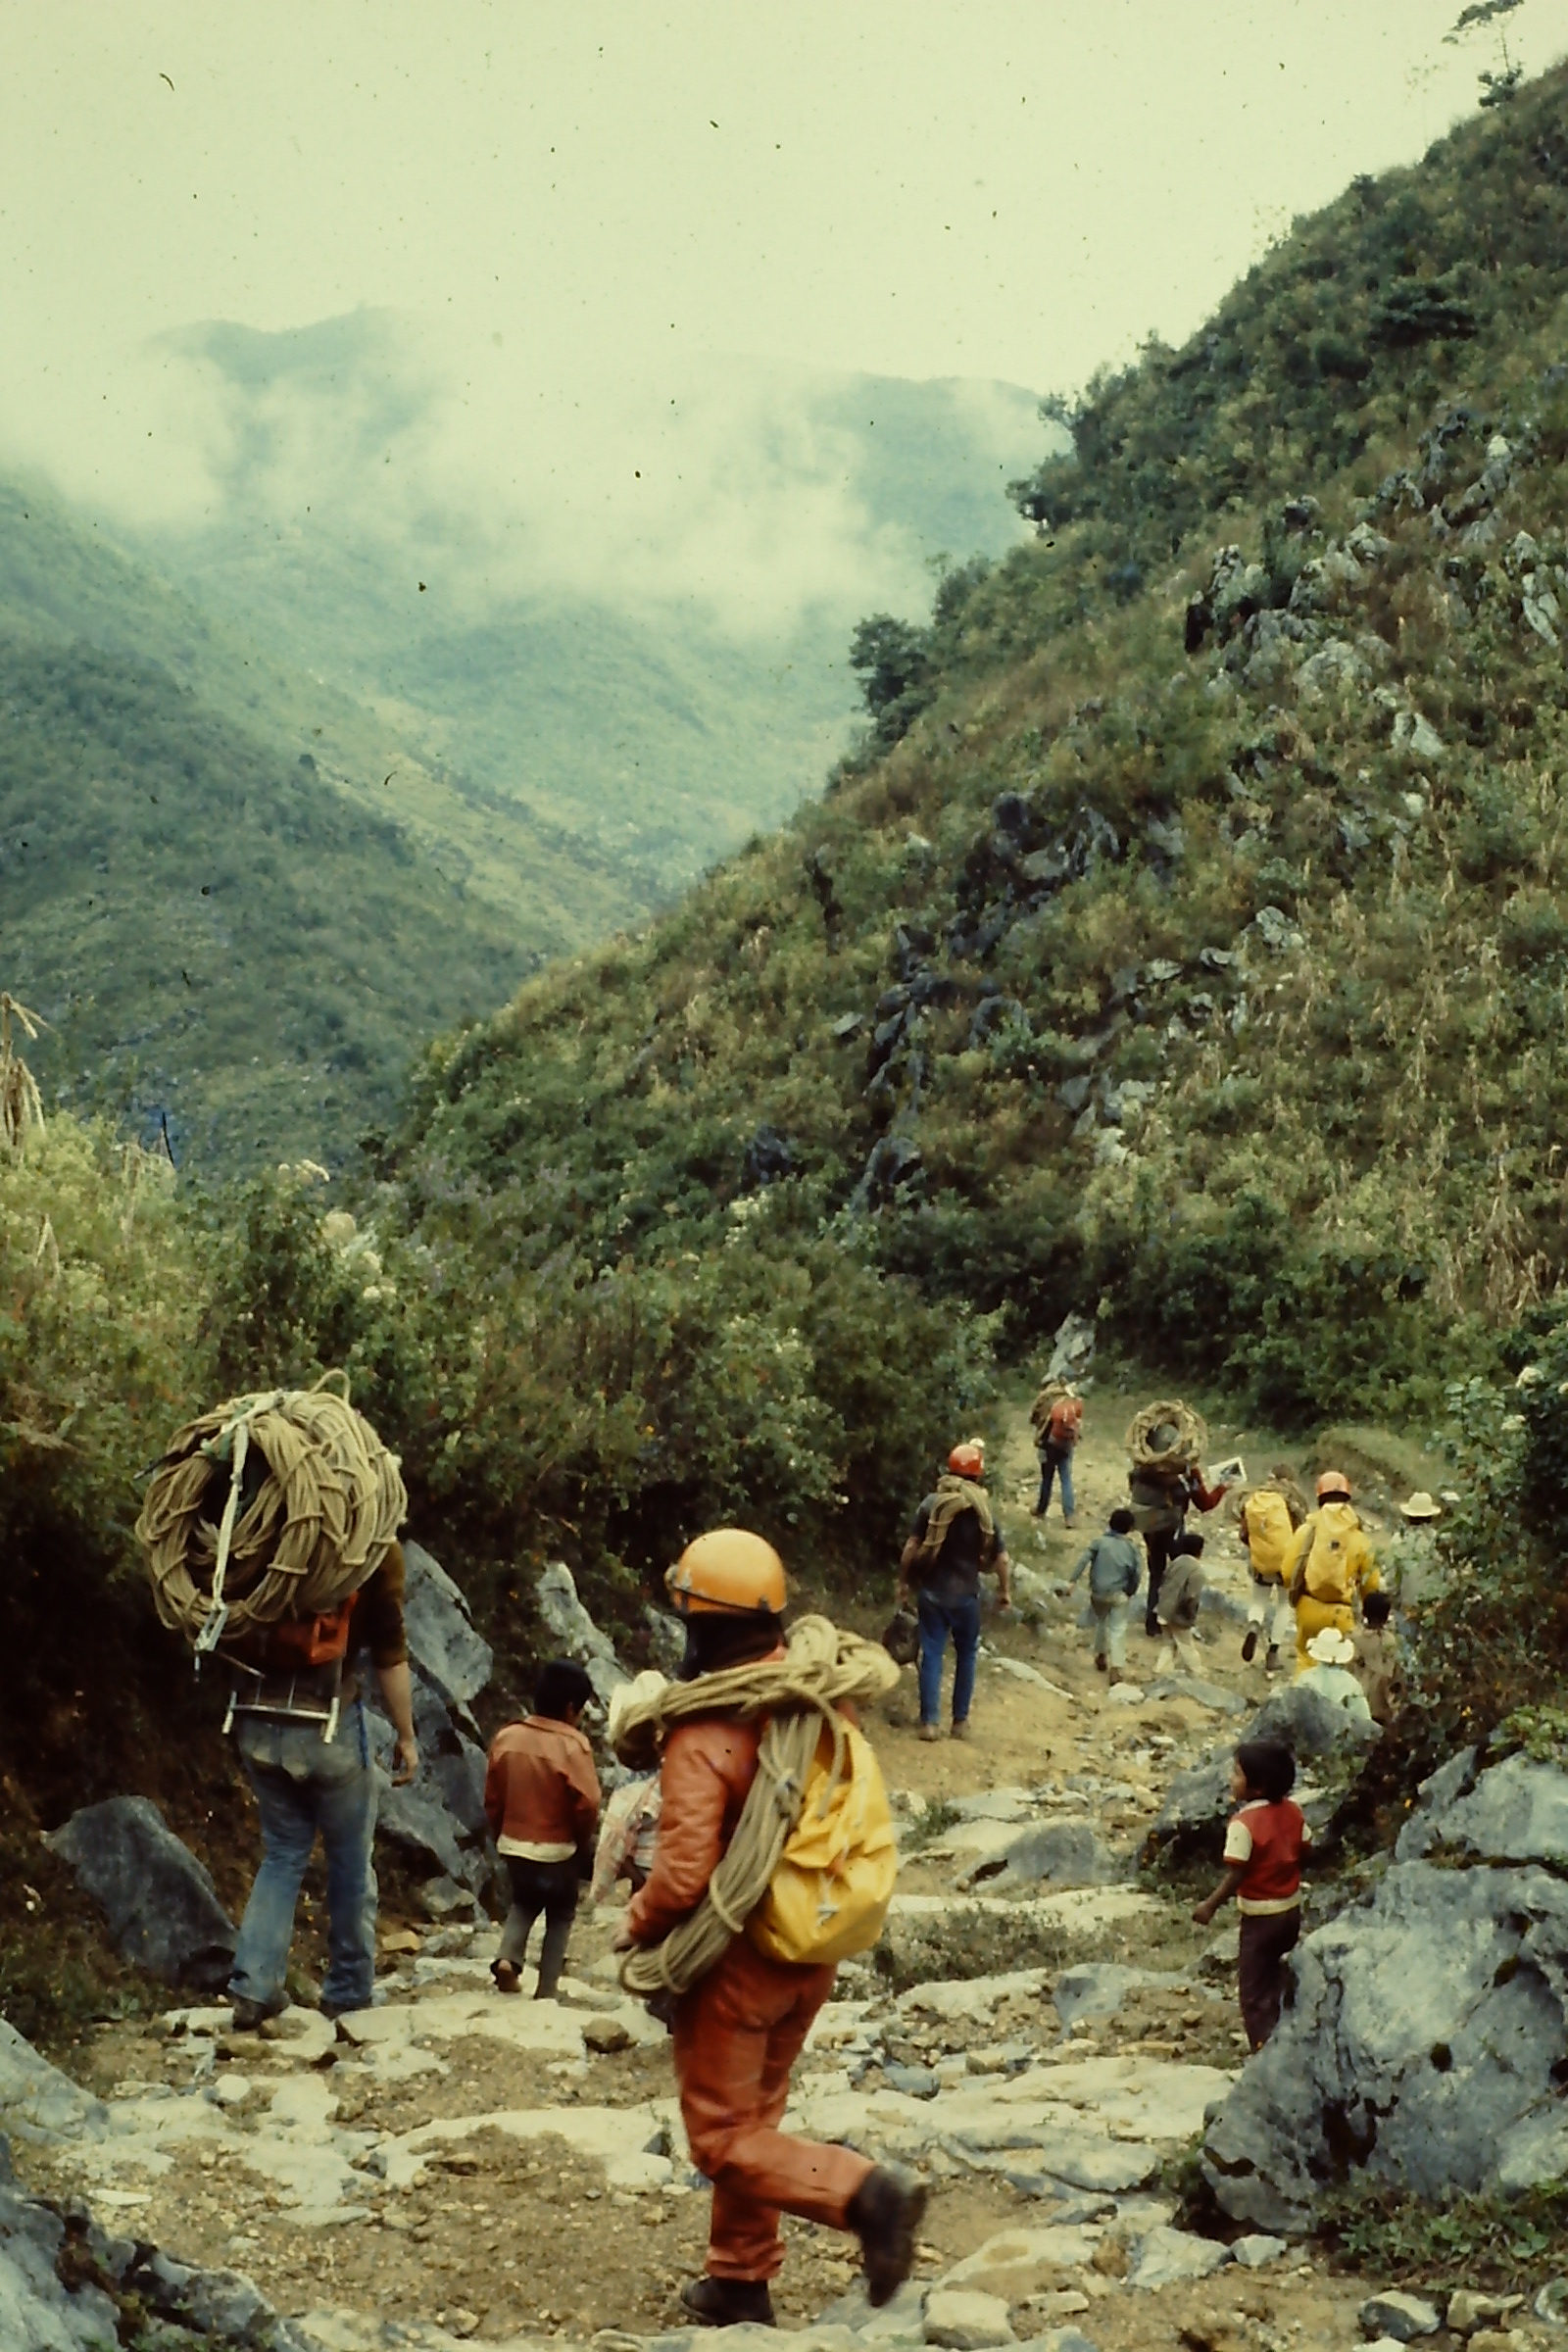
(294, 1538)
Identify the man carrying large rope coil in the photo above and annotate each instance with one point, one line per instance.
(270, 1532)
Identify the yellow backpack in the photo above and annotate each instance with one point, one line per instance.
(1330, 1574)
(829, 1895)
(1267, 1518)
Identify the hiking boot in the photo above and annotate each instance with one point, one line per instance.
(250, 2016)
(333, 2010)
(1250, 1645)
(961, 1731)
(1116, 1676)
(885, 2212)
(507, 1976)
(1067, 1520)
(930, 1730)
(1100, 1665)
(1271, 1663)
(1151, 1627)
(730, 2302)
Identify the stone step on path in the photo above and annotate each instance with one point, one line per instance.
(983, 2081)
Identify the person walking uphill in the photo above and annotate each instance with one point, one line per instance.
(269, 1528)
(541, 1798)
(1268, 1517)
(1115, 1575)
(741, 2017)
(1057, 1417)
(1164, 1479)
(305, 1745)
(955, 1541)
(1330, 1562)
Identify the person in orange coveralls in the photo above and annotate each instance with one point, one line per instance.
(739, 2029)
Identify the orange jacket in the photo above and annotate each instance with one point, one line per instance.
(708, 1767)
(540, 1784)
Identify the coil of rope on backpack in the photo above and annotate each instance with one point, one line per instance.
(310, 1500)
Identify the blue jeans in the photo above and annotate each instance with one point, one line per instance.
(1055, 1462)
(304, 1784)
(939, 1619)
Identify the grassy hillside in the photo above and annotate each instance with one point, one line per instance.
(215, 933)
(1187, 943)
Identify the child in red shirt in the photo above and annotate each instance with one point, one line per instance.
(1263, 1848)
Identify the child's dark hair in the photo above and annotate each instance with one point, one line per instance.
(1188, 1546)
(562, 1686)
(1122, 1522)
(1269, 1767)
(1375, 1609)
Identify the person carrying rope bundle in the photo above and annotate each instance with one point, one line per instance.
(1165, 1444)
(954, 1539)
(270, 1532)
(745, 1784)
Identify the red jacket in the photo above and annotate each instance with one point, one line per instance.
(708, 1768)
(540, 1784)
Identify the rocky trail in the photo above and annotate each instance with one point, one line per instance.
(1044, 2032)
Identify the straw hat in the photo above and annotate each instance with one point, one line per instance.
(1330, 1647)
(1420, 1505)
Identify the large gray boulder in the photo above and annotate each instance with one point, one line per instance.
(438, 1821)
(1309, 1724)
(443, 1646)
(1061, 1853)
(1199, 1801)
(39, 2313)
(573, 1632)
(161, 1905)
(37, 2101)
(1428, 2024)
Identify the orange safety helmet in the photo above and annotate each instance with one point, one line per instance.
(728, 1570)
(967, 1461)
(1334, 1485)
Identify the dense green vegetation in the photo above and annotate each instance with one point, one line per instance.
(1185, 945)
(218, 938)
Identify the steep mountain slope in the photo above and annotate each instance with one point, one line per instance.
(217, 936)
(1198, 953)
(657, 683)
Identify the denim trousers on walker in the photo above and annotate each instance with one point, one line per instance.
(304, 1784)
(939, 1619)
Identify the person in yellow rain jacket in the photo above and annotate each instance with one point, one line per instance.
(1269, 1516)
(1330, 1562)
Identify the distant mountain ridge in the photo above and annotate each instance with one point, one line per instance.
(488, 780)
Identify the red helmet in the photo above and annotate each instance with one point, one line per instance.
(1333, 1487)
(967, 1461)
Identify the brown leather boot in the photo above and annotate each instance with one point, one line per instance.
(885, 2212)
(730, 2302)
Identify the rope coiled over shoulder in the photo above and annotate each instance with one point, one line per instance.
(1170, 1412)
(317, 1522)
(800, 1694)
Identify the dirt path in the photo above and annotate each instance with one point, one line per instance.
(501, 2170)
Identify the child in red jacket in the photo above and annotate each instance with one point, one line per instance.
(1263, 1848)
(541, 1798)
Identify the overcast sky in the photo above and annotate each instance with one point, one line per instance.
(585, 217)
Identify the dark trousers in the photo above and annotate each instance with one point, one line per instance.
(1157, 1547)
(1266, 1939)
(550, 1888)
